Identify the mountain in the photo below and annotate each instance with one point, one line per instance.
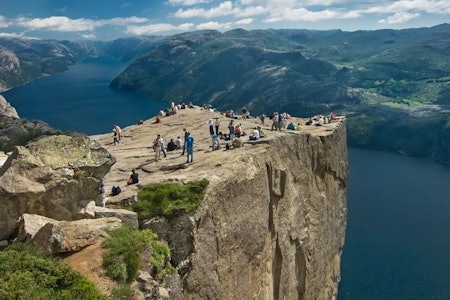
(392, 84)
(23, 60)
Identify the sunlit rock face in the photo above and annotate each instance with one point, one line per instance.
(274, 226)
(56, 177)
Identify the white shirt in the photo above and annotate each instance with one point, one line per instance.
(256, 133)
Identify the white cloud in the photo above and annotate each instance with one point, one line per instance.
(400, 17)
(64, 24)
(187, 2)
(3, 22)
(157, 28)
(428, 6)
(302, 14)
(214, 25)
(14, 35)
(251, 11)
(224, 9)
(58, 24)
(89, 36)
(244, 21)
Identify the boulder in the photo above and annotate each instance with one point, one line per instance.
(63, 236)
(55, 176)
(126, 216)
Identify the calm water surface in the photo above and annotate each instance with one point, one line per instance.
(398, 236)
(80, 99)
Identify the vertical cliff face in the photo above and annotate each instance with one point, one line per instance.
(274, 227)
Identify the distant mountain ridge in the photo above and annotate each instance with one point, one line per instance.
(311, 67)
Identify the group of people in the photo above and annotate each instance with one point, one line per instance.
(279, 121)
(320, 120)
(187, 147)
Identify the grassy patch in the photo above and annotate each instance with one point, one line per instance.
(125, 245)
(169, 198)
(27, 273)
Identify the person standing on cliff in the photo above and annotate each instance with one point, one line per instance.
(211, 127)
(262, 118)
(231, 128)
(119, 132)
(101, 190)
(190, 148)
(163, 147)
(157, 147)
(115, 137)
(275, 121)
(185, 137)
(216, 125)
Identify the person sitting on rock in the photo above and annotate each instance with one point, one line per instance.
(261, 132)
(238, 130)
(171, 145)
(255, 135)
(178, 143)
(134, 177)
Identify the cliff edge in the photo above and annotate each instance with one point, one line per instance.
(272, 223)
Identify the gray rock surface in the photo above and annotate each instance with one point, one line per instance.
(6, 109)
(56, 176)
(64, 236)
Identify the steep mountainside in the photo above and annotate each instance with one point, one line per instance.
(23, 60)
(234, 69)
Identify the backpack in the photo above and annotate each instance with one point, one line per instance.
(115, 190)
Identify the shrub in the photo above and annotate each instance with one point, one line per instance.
(159, 260)
(122, 292)
(169, 198)
(122, 260)
(27, 273)
(124, 245)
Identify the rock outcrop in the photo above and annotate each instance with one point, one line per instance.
(58, 237)
(272, 223)
(56, 176)
(16, 131)
(274, 227)
(6, 109)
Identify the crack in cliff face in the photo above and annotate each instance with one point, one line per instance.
(277, 265)
(277, 184)
(300, 269)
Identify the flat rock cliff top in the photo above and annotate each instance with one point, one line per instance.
(135, 147)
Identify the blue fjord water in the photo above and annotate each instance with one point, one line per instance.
(80, 99)
(398, 234)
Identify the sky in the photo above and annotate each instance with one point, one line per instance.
(112, 19)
